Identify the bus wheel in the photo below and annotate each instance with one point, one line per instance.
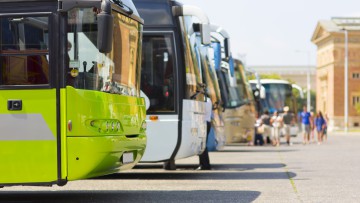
(170, 165)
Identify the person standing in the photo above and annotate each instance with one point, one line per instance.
(326, 118)
(288, 120)
(204, 160)
(305, 124)
(312, 128)
(265, 119)
(320, 124)
(276, 122)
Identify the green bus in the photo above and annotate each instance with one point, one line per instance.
(69, 90)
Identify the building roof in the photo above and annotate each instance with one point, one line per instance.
(335, 25)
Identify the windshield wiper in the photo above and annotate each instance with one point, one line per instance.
(122, 5)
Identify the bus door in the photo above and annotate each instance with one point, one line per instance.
(158, 82)
(28, 119)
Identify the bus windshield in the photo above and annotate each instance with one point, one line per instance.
(116, 72)
(243, 86)
(278, 96)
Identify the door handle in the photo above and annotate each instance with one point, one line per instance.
(15, 105)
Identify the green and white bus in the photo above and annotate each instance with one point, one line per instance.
(69, 90)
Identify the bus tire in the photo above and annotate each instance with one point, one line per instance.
(170, 165)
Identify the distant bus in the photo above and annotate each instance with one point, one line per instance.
(237, 97)
(278, 94)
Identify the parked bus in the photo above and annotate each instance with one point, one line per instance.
(216, 138)
(172, 80)
(69, 90)
(239, 114)
(278, 95)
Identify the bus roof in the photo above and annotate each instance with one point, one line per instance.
(128, 3)
(270, 81)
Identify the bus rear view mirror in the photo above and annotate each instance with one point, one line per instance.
(205, 34)
(262, 93)
(227, 47)
(105, 23)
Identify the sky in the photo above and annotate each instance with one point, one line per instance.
(276, 32)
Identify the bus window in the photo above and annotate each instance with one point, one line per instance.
(115, 72)
(24, 51)
(158, 72)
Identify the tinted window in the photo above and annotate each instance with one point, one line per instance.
(157, 79)
(155, 14)
(24, 53)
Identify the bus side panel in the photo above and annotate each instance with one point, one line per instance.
(162, 138)
(193, 139)
(64, 160)
(104, 126)
(239, 124)
(28, 137)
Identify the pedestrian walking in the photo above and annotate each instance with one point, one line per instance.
(312, 127)
(305, 124)
(326, 118)
(265, 119)
(276, 122)
(320, 126)
(259, 131)
(288, 120)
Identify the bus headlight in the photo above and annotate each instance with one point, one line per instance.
(143, 126)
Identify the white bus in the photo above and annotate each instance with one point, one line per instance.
(278, 95)
(238, 101)
(172, 79)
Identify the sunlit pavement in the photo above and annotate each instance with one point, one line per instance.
(329, 172)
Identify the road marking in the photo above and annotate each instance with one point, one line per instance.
(292, 182)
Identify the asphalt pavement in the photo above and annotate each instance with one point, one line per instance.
(329, 172)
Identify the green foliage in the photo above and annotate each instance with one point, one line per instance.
(266, 76)
(302, 102)
(357, 107)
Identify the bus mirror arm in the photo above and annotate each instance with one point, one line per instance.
(195, 95)
(105, 27)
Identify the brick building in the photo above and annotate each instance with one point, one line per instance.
(329, 37)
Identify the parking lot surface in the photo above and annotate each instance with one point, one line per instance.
(329, 172)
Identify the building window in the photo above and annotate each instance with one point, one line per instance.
(356, 75)
(355, 100)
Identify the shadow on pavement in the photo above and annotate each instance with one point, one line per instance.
(130, 196)
(201, 175)
(257, 149)
(230, 167)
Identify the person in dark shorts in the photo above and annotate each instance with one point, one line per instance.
(204, 160)
(265, 120)
(305, 124)
(288, 120)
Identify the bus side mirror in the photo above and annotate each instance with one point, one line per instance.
(227, 47)
(262, 93)
(205, 34)
(146, 98)
(105, 23)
